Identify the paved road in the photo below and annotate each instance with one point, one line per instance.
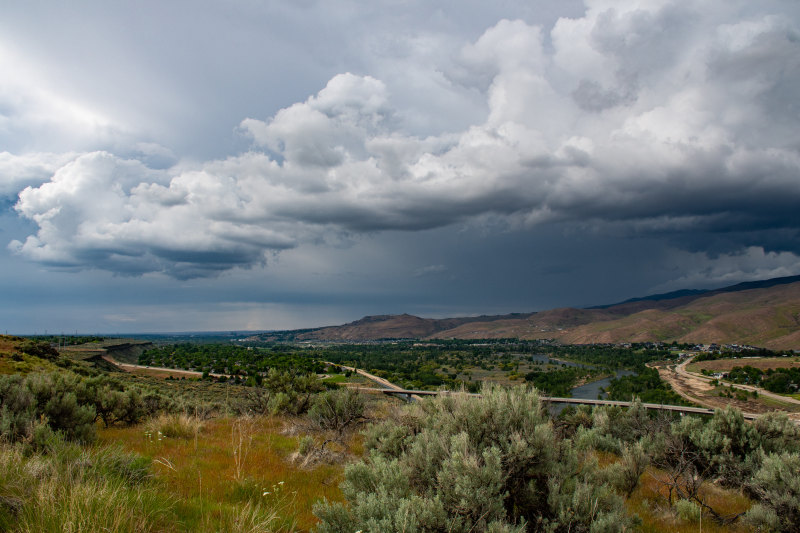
(556, 399)
(385, 383)
(189, 373)
(391, 388)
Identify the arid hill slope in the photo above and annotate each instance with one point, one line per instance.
(393, 327)
(765, 313)
(767, 317)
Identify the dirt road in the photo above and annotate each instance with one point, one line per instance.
(681, 369)
(698, 389)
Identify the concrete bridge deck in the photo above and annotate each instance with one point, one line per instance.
(554, 399)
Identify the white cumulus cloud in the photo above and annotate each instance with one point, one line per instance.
(663, 116)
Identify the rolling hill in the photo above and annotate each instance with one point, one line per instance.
(403, 326)
(763, 313)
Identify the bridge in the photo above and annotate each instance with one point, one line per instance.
(390, 388)
(554, 399)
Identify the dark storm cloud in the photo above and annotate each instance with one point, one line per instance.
(665, 118)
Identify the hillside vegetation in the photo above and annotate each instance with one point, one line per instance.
(83, 449)
(765, 314)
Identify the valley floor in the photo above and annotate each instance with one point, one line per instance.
(699, 389)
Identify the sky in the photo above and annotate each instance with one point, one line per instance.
(253, 165)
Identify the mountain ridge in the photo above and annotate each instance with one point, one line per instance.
(762, 313)
(745, 285)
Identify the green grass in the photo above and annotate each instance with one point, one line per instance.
(227, 468)
(772, 402)
(71, 488)
(231, 474)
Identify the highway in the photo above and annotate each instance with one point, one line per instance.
(390, 388)
(188, 373)
(385, 383)
(556, 399)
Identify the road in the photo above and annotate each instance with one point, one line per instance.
(188, 373)
(681, 370)
(698, 389)
(391, 388)
(385, 383)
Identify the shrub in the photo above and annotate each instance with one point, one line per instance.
(69, 404)
(586, 439)
(43, 398)
(305, 445)
(624, 475)
(389, 437)
(337, 410)
(777, 433)
(687, 511)
(570, 419)
(283, 392)
(39, 349)
(492, 463)
(777, 483)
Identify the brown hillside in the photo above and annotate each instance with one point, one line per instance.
(645, 326)
(544, 325)
(762, 317)
(395, 327)
(376, 327)
(768, 317)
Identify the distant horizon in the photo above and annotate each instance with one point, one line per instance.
(233, 332)
(316, 162)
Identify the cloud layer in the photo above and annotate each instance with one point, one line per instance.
(662, 117)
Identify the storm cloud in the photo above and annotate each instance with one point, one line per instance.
(258, 163)
(664, 117)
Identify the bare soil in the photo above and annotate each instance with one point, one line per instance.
(763, 363)
(701, 392)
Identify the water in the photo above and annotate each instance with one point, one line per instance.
(546, 360)
(591, 391)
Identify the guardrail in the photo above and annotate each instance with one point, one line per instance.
(555, 399)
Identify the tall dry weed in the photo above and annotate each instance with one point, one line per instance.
(242, 431)
(174, 426)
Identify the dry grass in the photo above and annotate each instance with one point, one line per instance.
(649, 501)
(180, 426)
(763, 363)
(161, 374)
(207, 478)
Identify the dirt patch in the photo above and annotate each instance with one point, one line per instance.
(701, 392)
(763, 363)
(8, 344)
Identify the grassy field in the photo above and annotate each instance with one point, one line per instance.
(650, 503)
(725, 365)
(226, 466)
(230, 463)
(218, 472)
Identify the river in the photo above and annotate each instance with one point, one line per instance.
(591, 390)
